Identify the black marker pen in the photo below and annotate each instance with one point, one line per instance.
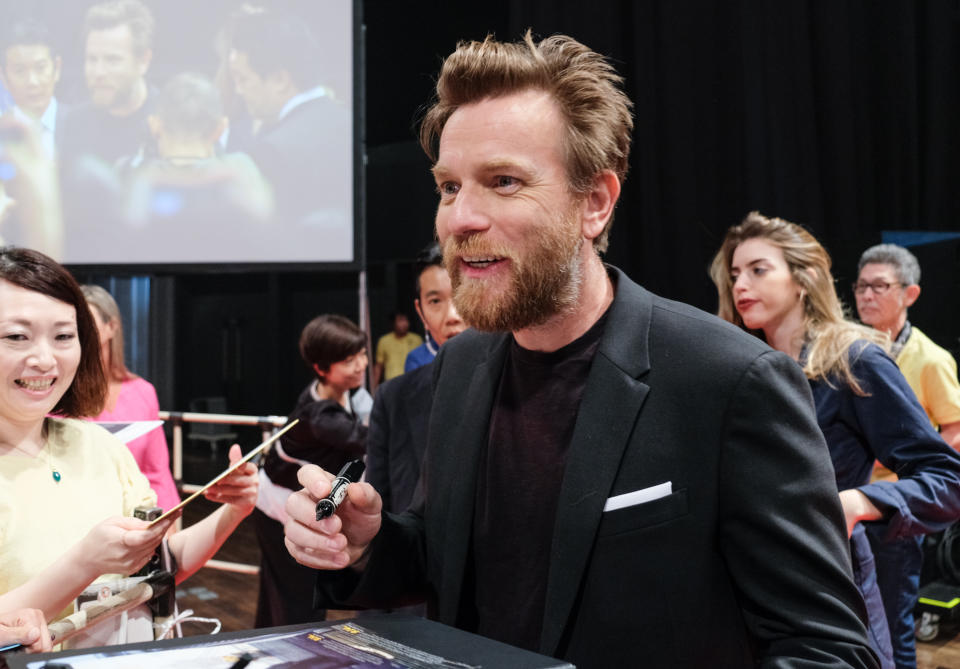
(349, 474)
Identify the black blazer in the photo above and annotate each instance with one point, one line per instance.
(398, 436)
(745, 563)
(306, 156)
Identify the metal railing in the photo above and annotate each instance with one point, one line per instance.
(267, 424)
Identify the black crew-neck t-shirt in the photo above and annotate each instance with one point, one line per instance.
(531, 425)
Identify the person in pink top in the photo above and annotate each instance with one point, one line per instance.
(131, 397)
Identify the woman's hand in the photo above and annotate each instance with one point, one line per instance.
(121, 545)
(857, 507)
(27, 627)
(239, 489)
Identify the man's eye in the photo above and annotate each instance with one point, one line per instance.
(504, 181)
(448, 188)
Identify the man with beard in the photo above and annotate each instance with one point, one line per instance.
(611, 478)
(118, 37)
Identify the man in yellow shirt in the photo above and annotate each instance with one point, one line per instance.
(888, 283)
(392, 349)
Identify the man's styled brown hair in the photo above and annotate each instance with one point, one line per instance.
(585, 86)
(35, 271)
(131, 13)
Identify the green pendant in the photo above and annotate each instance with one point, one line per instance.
(56, 476)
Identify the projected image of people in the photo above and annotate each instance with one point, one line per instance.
(197, 132)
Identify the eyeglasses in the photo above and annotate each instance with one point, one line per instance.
(878, 287)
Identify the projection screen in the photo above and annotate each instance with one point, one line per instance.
(223, 132)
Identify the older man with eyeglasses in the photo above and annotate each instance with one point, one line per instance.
(888, 283)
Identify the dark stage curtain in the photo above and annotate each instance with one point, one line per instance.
(841, 115)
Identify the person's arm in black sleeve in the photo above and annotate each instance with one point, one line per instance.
(326, 425)
(781, 526)
(378, 452)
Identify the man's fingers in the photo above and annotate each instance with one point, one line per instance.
(315, 480)
(317, 558)
(364, 498)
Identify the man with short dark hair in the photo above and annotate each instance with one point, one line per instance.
(303, 146)
(610, 478)
(434, 305)
(118, 48)
(401, 408)
(30, 69)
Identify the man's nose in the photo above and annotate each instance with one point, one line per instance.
(453, 316)
(466, 214)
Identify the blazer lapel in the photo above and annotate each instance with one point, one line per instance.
(608, 411)
(471, 428)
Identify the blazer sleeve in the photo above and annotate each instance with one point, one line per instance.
(781, 527)
(926, 498)
(378, 452)
(385, 582)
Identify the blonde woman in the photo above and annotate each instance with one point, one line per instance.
(130, 397)
(773, 279)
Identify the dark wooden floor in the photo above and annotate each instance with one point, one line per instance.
(232, 597)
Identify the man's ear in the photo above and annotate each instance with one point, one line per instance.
(598, 204)
(416, 305)
(910, 294)
(218, 131)
(155, 125)
(145, 61)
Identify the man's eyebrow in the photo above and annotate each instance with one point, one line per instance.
(440, 171)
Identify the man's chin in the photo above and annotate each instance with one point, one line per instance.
(103, 100)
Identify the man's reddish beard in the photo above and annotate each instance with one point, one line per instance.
(544, 278)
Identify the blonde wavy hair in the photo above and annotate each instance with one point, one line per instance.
(827, 333)
(98, 298)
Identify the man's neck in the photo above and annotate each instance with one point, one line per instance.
(184, 150)
(137, 97)
(596, 295)
(34, 114)
(893, 328)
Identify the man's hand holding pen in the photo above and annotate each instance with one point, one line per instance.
(339, 540)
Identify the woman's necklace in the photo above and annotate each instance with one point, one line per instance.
(54, 472)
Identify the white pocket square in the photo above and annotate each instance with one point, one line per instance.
(638, 496)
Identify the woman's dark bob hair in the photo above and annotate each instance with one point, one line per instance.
(35, 271)
(328, 339)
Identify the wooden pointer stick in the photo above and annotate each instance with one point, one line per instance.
(229, 471)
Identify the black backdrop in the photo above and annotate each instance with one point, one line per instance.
(841, 115)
